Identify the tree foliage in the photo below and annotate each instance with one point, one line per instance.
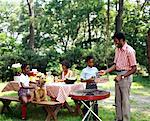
(68, 29)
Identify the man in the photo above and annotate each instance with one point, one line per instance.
(125, 66)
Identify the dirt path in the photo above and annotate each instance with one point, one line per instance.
(138, 101)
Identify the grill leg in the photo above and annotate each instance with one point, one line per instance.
(86, 115)
(90, 110)
(66, 105)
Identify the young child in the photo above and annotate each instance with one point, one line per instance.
(88, 75)
(23, 93)
(66, 72)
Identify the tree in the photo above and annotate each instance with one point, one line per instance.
(135, 26)
(148, 50)
(71, 29)
(31, 15)
(118, 19)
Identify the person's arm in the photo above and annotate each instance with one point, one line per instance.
(60, 78)
(82, 80)
(26, 87)
(128, 73)
(69, 73)
(31, 82)
(61, 75)
(82, 76)
(112, 68)
(132, 71)
(103, 72)
(88, 80)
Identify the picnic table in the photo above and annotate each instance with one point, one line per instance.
(11, 86)
(51, 107)
(57, 91)
(60, 91)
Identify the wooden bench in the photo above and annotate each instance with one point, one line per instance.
(52, 107)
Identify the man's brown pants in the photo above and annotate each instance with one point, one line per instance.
(122, 93)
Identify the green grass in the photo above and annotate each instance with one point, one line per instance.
(140, 104)
(141, 86)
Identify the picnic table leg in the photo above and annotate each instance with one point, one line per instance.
(6, 104)
(78, 107)
(66, 105)
(52, 112)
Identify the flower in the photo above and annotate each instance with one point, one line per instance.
(16, 68)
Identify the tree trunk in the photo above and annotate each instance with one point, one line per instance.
(89, 30)
(108, 19)
(107, 33)
(148, 50)
(31, 15)
(118, 19)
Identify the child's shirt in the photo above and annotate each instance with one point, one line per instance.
(24, 79)
(69, 74)
(88, 72)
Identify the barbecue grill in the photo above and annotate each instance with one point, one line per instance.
(91, 95)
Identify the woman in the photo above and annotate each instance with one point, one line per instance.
(66, 72)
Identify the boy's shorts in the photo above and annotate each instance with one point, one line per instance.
(23, 92)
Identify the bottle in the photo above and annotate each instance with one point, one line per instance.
(48, 76)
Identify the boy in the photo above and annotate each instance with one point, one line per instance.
(88, 75)
(23, 92)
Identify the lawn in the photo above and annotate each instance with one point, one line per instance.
(140, 104)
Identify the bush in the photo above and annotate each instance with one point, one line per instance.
(141, 70)
(6, 60)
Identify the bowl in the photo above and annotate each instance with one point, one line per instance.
(70, 80)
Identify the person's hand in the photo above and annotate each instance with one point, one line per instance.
(91, 80)
(117, 78)
(102, 72)
(59, 80)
